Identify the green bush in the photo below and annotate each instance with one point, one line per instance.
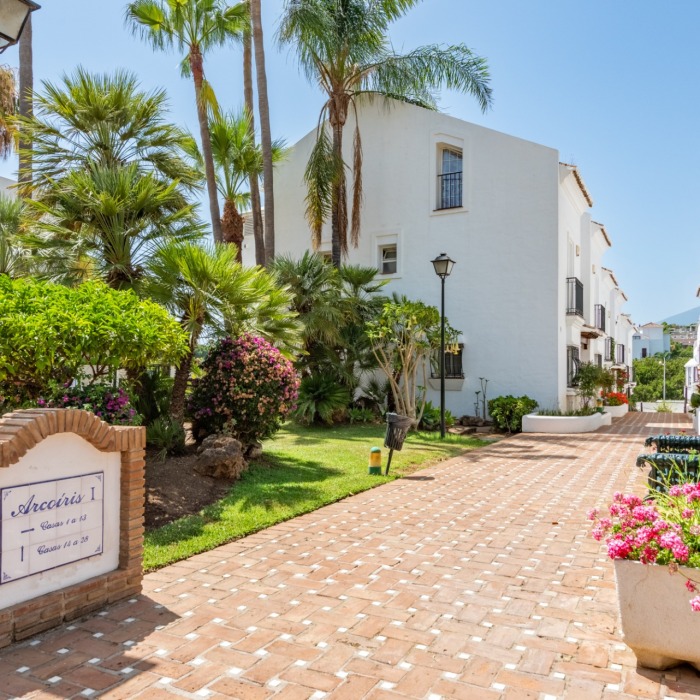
(695, 401)
(361, 415)
(111, 405)
(321, 400)
(507, 411)
(430, 420)
(166, 436)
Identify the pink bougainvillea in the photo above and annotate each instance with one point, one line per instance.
(248, 388)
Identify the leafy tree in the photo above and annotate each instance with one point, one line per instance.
(49, 333)
(342, 45)
(195, 27)
(207, 290)
(403, 338)
(648, 374)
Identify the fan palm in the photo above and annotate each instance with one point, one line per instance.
(206, 288)
(105, 222)
(8, 107)
(14, 257)
(195, 27)
(342, 46)
(105, 120)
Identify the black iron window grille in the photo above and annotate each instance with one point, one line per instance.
(574, 296)
(453, 364)
(450, 180)
(572, 365)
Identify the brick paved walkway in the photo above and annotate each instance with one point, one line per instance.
(473, 579)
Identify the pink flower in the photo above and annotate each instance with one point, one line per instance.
(695, 603)
(690, 586)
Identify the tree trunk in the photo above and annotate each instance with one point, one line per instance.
(26, 103)
(258, 231)
(339, 213)
(197, 66)
(265, 134)
(180, 382)
(232, 228)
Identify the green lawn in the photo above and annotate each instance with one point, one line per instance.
(302, 470)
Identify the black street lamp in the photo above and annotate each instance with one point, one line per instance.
(13, 17)
(443, 265)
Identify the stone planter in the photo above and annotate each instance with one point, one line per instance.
(657, 621)
(617, 411)
(535, 423)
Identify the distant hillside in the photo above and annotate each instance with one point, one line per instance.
(685, 318)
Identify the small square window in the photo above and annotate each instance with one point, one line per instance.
(388, 260)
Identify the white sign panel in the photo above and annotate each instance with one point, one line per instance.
(47, 524)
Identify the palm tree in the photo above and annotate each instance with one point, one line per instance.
(106, 222)
(342, 46)
(265, 132)
(8, 107)
(194, 26)
(107, 121)
(258, 232)
(207, 289)
(26, 88)
(14, 257)
(238, 162)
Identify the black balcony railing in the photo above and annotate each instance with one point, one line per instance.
(574, 296)
(620, 352)
(450, 190)
(599, 311)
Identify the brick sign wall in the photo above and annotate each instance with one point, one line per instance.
(71, 517)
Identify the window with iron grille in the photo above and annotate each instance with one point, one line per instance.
(572, 364)
(453, 364)
(599, 359)
(450, 179)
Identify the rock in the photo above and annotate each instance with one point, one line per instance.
(221, 457)
(253, 451)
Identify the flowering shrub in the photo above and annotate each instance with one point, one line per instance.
(663, 530)
(110, 404)
(247, 389)
(614, 398)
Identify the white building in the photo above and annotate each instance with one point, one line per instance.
(528, 292)
(650, 340)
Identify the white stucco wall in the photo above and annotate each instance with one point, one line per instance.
(522, 215)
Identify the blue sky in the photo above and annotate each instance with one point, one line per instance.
(612, 85)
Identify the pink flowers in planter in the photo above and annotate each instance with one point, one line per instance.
(664, 530)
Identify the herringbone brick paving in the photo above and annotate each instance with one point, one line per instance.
(476, 578)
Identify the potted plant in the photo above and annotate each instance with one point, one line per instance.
(655, 545)
(615, 403)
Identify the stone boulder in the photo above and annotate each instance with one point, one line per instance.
(221, 457)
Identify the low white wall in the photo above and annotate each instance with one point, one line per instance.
(534, 423)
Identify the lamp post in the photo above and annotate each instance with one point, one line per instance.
(443, 265)
(13, 17)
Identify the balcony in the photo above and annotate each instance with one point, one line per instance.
(599, 312)
(609, 350)
(574, 296)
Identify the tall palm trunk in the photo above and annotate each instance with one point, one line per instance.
(181, 380)
(197, 66)
(258, 231)
(339, 202)
(265, 133)
(26, 88)
(232, 228)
